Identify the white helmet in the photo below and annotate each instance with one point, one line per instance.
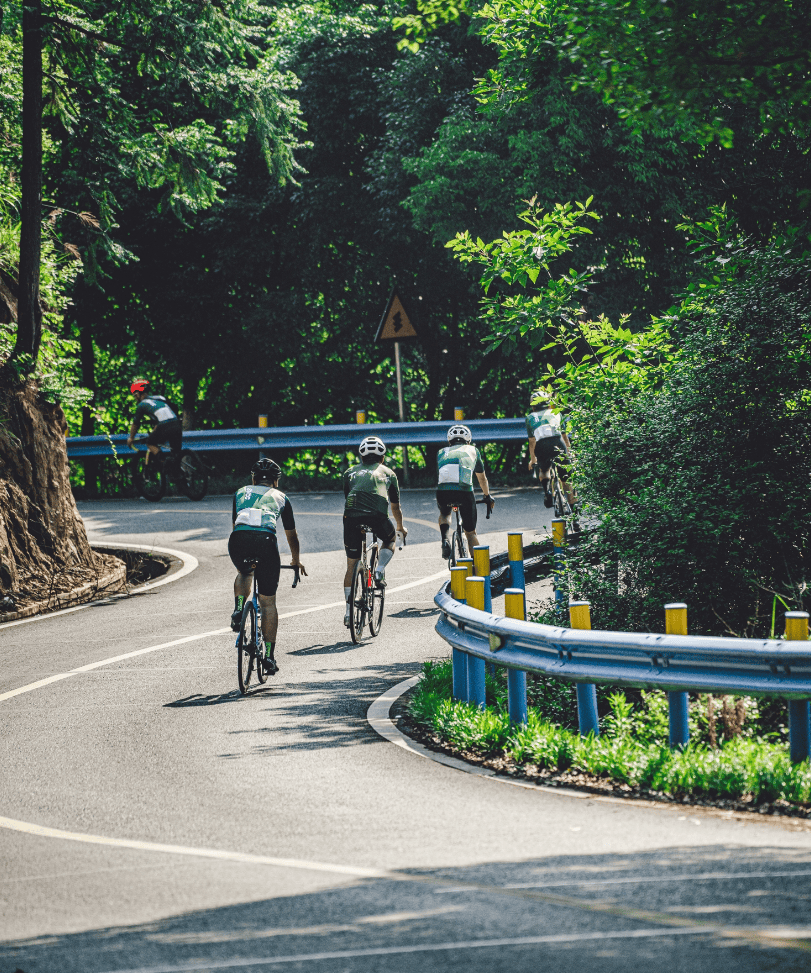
(372, 446)
(457, 433)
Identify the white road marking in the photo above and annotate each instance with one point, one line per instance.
(189, 562)
(234, 856)
(237, 962)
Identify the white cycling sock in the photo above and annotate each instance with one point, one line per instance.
(347, 594)
(383, 558)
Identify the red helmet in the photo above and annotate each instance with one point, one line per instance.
(140, 386)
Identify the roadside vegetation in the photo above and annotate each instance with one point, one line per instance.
(737, 749)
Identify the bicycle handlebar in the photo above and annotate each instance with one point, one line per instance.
(489, 508)
(295, 568)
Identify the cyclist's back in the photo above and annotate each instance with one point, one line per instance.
(156, 410)
(458, 464)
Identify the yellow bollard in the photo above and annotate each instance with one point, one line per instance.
(263, 422)
(516, 679)
(514, 604)
(360, 417)
(580, 614)
(474, 595)
(558, 532)
(474, 592)
(587, 718)
(467, 563)
(676, 618)
(458, 578)
(678, 701)
(481, 562)
(799, 713)
(458, 414)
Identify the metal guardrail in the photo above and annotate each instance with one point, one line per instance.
(312, 437)
(751, 667)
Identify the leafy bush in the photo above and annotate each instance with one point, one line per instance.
(632, 749)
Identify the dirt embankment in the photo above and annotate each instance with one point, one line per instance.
(44, 551)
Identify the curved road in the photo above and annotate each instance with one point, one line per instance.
(151, 819)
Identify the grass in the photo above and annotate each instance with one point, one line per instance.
(631, 749)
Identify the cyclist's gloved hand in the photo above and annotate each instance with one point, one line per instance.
(489, 501)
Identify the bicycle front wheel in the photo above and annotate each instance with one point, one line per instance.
(246, 646)
(377, 598)
(193, 479)
(357, 612)
(150, 480)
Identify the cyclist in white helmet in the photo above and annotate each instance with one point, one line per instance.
(547, 440)
(458, 462)
(369, 488)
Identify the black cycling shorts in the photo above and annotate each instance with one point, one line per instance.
(549, 449)
(170, 432)
(259, 547)
(465, 500)
(382, 527)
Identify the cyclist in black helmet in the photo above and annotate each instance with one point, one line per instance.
(256, 510)
(369, 487)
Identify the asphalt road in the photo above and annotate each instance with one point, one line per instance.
(153, 819)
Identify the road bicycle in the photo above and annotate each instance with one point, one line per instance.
(187, 470)
(560, 501)
(250, 645)
(458, 548)
(366, 598)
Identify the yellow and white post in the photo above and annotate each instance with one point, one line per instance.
(587, 718)
(799, 711)
(678, 702)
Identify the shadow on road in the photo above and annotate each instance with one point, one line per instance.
(686, 910)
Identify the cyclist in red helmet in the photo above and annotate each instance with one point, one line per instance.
(166, 426)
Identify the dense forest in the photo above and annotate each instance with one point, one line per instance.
(612, 198)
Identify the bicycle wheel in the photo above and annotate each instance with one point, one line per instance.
(376, 597)
(357, 614)
(457, 547)
(150, 480)
(193, 478)
(261, 651)
(561, 504)
(246, 646)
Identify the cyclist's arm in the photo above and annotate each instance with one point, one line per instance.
(482, 478)
(234, 511)
(531, 451)
(295, 549)
(565, 437)
(397, 513)
(133, 429)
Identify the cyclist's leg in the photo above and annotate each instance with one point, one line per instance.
(384, 529)
(544, 455)
(153, 441)
(268, 569)
(445, 510)
(466, 502)
(353, 539)
(240, 552)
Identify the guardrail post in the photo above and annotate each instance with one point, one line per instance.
(678, 702)
(515, 555)
(466, 562)
(481, 568)
(799, 711)
(474, 596)
(558, 547)
(458, 576)
(588, 721)
(515, 607)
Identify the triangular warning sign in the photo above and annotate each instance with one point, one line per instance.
(395, 324)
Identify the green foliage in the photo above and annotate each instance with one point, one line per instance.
(741, 767)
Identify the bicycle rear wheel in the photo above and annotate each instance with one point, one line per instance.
(193, 478)
(377, 598)
(261, 652)
(457, 547)
(246, 646)
(561, 504)
(357, 604)
(150, 480)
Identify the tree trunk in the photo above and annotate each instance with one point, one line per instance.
(191, 384)
(29, 312)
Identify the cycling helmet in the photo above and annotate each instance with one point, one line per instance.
(372, 446)
(540, 396)
(140, 386)
(266, 469)
(459, 434)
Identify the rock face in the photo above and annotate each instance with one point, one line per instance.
(43, 543)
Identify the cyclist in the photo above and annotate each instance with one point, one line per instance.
(457, 463)
(256, 510)
(167, 428)
(548, 440)
(369, 487)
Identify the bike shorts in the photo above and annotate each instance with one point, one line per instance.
(381, 525)
(259, 547)
(550, 449)
(170, 432)
(465, 500)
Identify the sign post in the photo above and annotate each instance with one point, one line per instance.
(396, 326)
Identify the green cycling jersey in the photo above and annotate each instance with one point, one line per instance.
(369, 489)
(456, 466)
(543, 424)
(260, 507)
